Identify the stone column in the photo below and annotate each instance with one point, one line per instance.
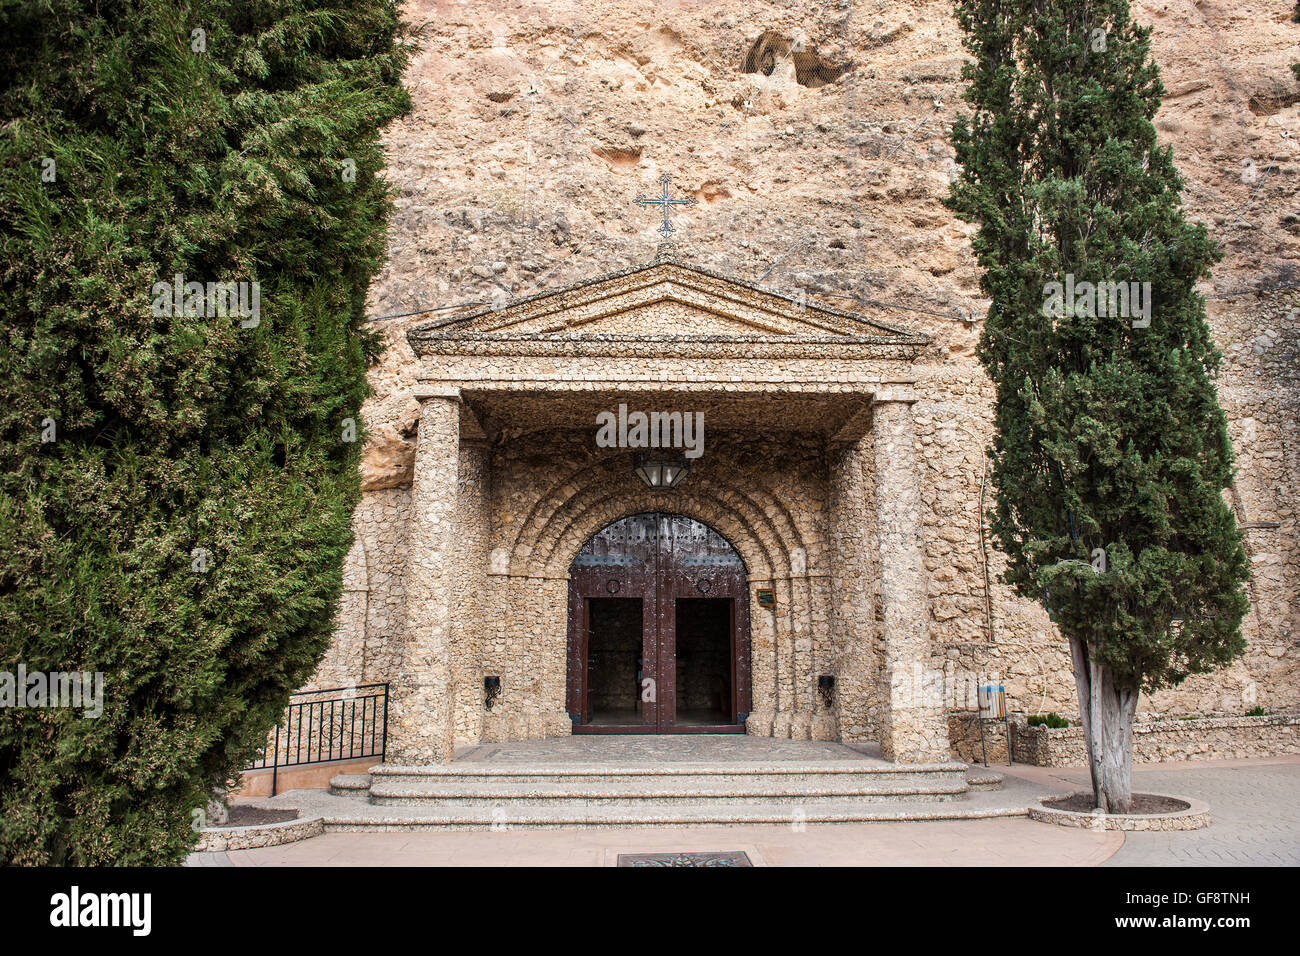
(471, 590)
(420, 729)
(853, 582)
(762, 662)
(913, 727)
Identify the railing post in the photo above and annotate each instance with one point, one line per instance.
(383, 744)
(275, 764)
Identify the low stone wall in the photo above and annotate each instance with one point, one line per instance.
(1195, 817)
(220, 839)
(1204, 738)
(964, 738)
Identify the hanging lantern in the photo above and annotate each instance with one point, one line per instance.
(661, 473)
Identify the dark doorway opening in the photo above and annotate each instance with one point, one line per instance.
(704, 658)
(614, 666)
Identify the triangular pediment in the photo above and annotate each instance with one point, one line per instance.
(667, 300)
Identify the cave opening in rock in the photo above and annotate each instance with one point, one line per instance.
(810, 68)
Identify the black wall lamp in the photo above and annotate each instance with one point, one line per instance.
(826, 687)
(492, 688)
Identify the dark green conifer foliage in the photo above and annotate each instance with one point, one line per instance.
(1108, 436)
(1295, 67)
(133, 148)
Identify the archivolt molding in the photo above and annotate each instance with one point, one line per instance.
(587, 499)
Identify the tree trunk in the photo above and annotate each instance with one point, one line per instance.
(1106, 712)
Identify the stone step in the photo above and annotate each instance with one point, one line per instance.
(978, 778)
(650, 793)
(368, 818)
(354, 785)
(732, 776)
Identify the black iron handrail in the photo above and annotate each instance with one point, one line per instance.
(348, 726)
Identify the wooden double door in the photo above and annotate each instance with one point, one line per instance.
(658, 630)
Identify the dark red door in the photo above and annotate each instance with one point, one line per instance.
(658, 630)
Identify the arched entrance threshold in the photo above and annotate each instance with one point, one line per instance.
(658, 630)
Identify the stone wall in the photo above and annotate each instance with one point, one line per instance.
(964, 738)
(1204, 738)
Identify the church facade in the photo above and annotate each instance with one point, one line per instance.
(665, 500)
(773, 589)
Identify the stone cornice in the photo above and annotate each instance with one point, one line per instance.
(668, 346)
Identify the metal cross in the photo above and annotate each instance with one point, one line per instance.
(666, 229)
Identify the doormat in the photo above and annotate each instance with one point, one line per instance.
(733, 858)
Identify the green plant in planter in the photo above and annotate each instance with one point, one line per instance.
(1053, 720)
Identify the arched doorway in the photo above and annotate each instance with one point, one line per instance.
(658, 630)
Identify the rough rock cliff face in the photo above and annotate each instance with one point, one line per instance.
(813, 138)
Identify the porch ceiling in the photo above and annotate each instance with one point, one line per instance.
(837, 417)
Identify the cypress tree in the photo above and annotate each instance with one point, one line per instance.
(177, 481)
(1110, 450)
(1295, 67)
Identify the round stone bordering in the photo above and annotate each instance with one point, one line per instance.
(220, 839)
(1195, 817)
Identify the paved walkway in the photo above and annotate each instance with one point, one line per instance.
(1016, 842)
(1254, 806)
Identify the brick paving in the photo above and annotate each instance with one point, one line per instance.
(1256, 817)
(1254, 807)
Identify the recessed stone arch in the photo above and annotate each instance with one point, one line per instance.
(756, 521)
(595, 515)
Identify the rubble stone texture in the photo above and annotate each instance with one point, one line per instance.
(1158, 741)
(534, 129)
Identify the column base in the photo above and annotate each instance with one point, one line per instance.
(917, 736)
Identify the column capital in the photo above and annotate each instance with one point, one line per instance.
(902, 394)
(424, 391)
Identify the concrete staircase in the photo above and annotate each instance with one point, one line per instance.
(485, 795)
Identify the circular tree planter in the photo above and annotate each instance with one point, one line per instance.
(1158, 812)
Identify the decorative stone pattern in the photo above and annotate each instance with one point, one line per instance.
(733, 858)
(1207, 738)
